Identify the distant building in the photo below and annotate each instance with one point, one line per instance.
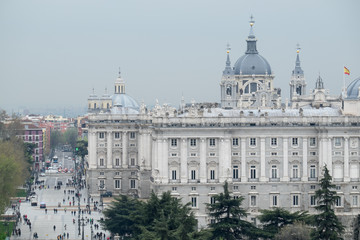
(271, 153)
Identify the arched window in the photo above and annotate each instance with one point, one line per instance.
(108, 106)
(253, 87)
(94, 105)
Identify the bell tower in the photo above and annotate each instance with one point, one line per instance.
(297, 82)
(119, 85)
(228, 84)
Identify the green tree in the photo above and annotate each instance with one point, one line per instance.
(228, 213)
(81, 148)
(70, 137)
(328, 226)
(295, 231)
(274, 219)
(56, 139)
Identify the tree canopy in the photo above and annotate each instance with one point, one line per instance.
(328, 226)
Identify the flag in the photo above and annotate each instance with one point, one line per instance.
(346, 71)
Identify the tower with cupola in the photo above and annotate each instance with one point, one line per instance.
(297, 82)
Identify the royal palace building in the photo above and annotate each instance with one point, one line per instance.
(270, 152)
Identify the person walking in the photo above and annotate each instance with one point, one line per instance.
(54, 227)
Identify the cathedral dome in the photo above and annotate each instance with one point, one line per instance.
(353, 89)
(125, 101)
(252, 63)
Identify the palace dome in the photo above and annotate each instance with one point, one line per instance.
(124, 101)
(252, 63)
(353, 89)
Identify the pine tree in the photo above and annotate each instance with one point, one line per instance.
(228, 213)
(328, 226)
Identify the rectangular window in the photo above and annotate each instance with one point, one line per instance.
(295, 171)
(193, 174)
(117, 184)
(252, 141)
(173, 174)
(132, 161)
(212, 200)
(273, 141)
(212, 142)
(117, 173)
(252, 201)
(274, 171)
(295, 200)
(295, 141)
(312, 186)
(235, 142)
(274, 154)
(295, 153)
(132, 135)
(117, 162)
(117, 135)
(252, 187)
(212, 154)
(236, 172)
(312, 142)
(193, 188)
(338, 202)
(337, 141)
(252, 172)
(212, 188)
(193, 154)
(101, 162)
(174, 142)
(236, 187)
(354, 187)
(274, 200)
(312, 200)
(194, 202)
(37, 138)
(212, 174)
(132, 184)
(193, 142)
(355, 200)
(101, 135)
(102, 173)
(174, 189)
(312, 171)
(313, 153)
(173, 154)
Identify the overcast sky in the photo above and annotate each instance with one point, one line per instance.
(52, 53)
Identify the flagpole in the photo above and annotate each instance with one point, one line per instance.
(343, 83)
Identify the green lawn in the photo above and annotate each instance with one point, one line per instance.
(5, 228)
(20, 193)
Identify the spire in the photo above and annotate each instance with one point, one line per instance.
(251, 41)
(319, 83)
(228, 63)
(119, 72)
(298, 70)
(119, 84)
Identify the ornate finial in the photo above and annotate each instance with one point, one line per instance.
(252, 21)
(93, 90)
(298, 48)
(119, 73)
(105, 90)
(228, 48)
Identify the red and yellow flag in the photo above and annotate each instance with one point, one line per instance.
(346, 71)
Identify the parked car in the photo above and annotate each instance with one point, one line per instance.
(42, 174)
(33, 201)
(107, 194)
(42, 205)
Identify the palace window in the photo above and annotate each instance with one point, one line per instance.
(132, 135)
(274, 202)
(117, 135)
(355, 200)
(173, 174)
(295, 141)
(212, 142)
(312, 142)
(295, 171)
(312, 200)
(252, 141)
(312, 171)
(212, 200)
(173, 142)
(274, 171)
(252, 172)
(132, 183)
(273, 141)
(235, 142)
(117, 162)
(101, 162)
(193, 202)
(212, 174)
(337, 142)
(101, 135)
(193, 142)
(235, 172)
(338, 202)
(117, 183)
(295, 200)
(252, 201)
(193, 174)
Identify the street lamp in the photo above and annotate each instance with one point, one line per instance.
(83, 225)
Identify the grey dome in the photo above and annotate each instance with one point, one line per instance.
(125, 101)
(252, 64)
(353, 89)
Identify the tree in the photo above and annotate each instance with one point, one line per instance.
(81, 148)
(158, 218)
(328, 226)
(295, 231)
(56, 139)
(275, 219)
(228, 213)
(70, 137)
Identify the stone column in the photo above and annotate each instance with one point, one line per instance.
(329, 155)
(184, 168)
(109, 162)
(92, 149)
(148, 152)
(155, 170)
(163, 161)
(203, 169)
(243, 160)
(141, 149)
(262, 160)
(346, 160)
(285, 177)
(321, 156)
(124, 149)
(305, 177)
